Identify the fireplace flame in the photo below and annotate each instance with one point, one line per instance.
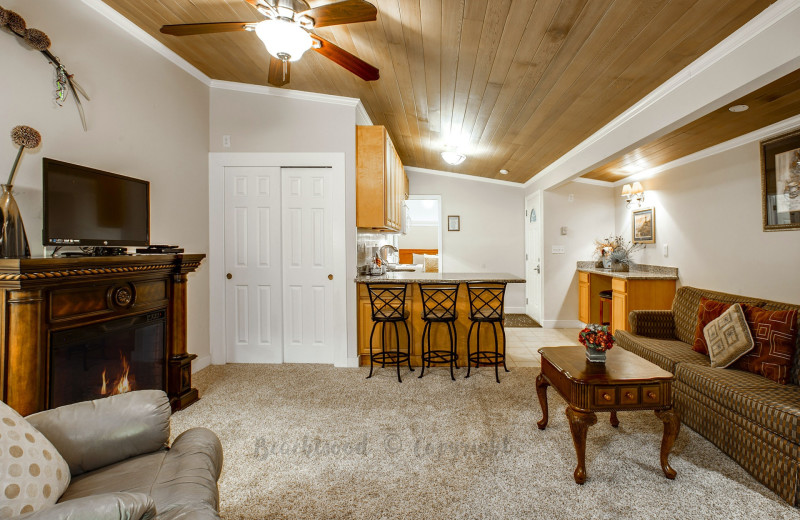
(123, 384)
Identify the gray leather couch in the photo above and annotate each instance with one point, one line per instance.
(121, 465)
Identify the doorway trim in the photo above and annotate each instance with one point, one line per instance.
(217, 162)
(539, 199)
(441, 223)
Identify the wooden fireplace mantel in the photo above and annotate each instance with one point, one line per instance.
(43, 295)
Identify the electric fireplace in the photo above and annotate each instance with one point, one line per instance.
(108, 358)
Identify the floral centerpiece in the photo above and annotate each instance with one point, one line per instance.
(597, 339)
(614, 252)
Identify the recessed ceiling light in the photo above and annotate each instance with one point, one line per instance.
(504, 172)
(454, 158)
(738, 108)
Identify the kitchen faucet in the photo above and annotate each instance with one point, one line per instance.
(382, 252)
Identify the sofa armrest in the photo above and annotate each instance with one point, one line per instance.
(94, 434)
(652, 324)
(107, 506)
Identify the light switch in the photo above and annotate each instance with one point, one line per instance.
(559, 250)
(564, 230)
(666, 250)
(571, 197)
(226, 141)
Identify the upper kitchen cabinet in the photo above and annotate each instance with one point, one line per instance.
(381, 183)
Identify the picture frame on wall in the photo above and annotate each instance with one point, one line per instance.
(780, 182)
(453, 223)
(644, 226)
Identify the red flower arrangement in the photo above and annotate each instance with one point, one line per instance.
(596, 337)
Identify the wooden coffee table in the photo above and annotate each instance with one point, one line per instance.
(625, 382)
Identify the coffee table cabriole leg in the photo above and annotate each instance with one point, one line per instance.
(579, 423)
(672, 426)
(614, 420)
(541, 391)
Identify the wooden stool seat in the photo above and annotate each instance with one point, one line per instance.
(439, 306)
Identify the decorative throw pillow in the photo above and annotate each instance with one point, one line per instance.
(431, 264)
(774, 333)
(34, 474)
(417, 259)
(708, 311)
(728, 337)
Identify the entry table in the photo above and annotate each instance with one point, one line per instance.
(625, 382)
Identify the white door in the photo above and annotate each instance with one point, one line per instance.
(253, 290)
(308, 265)
(533, 256)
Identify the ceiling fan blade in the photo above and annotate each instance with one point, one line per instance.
(357, 66)
(187, 29)
(276, 72)
(349, 11)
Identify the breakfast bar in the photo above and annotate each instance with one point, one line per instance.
(439, 334)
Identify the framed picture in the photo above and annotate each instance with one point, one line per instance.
(644, 226)
(453, 223)
(780, 182)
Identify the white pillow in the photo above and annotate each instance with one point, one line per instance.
(33, 475)
(417, 259)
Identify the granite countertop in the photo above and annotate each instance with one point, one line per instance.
(406, 277)
(637, 272)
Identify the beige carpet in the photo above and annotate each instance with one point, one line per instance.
(310, 441)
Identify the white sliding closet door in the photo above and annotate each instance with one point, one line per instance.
(308, 266)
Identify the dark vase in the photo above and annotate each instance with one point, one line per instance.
(595, 356)
(13, 241)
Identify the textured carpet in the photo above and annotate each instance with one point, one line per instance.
(520, 321)
(312, 441)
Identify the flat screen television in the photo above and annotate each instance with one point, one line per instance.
(86, 207)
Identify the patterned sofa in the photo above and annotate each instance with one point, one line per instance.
(749, 417)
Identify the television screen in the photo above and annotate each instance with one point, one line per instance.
(86, 207)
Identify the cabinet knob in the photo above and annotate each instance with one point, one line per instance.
(330, 277)
(607, 397)
(651, 395)
(229, 276)
(628, 395)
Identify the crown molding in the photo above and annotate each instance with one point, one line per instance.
(762, 22)
(462, 176)
(362, 113)
(594, 182)
(756, 135)
(284, 92)
(141, 35)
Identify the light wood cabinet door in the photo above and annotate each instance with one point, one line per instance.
(583, 302)
(380, 180)
(619, 315)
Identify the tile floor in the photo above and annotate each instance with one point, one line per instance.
(523, 344)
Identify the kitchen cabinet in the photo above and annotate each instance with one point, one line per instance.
(381, 182)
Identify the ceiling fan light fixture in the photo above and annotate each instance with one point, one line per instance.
(284, 39)
(453, 158)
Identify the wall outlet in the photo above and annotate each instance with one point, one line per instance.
(571, 197)
(226, 141)
(559, 250)
(666, 250)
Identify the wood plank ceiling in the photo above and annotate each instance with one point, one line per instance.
(516, 83)
(770, 104)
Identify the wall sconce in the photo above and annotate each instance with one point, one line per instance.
(633, 194)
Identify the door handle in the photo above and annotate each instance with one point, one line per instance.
(539, 269)
(330, 277)
(229, 276)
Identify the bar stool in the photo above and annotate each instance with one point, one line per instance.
(486, 306)
(439, 306)
(605, 296)
(388, 301)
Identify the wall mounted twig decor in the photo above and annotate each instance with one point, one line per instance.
(39, 41)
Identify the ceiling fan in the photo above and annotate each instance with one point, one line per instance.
(288, 32)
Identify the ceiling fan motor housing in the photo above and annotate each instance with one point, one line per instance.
(282, 6)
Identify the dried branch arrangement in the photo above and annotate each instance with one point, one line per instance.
(38, 40)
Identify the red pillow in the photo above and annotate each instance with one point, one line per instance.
(775, 334)
(708, 311)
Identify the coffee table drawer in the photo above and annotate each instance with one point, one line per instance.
(629, 395)
(651, 394)
(605, 396)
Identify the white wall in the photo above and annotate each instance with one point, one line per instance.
(420, 237)
(492, 227)
(709, 213)
(258, 122)
(590, 215)
(147, 119)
